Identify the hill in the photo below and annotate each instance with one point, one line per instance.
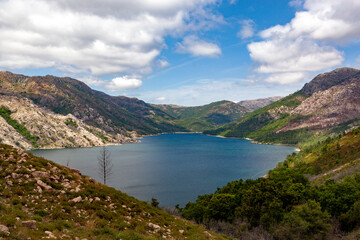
(41, 199)
(115, 115)
(200, 118)
(327, 105)
(252, 105)
(311, 195)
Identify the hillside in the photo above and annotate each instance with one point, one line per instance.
(27, 126)
(200, 118)
(41, 199)
(115, 115)
(311, 195)
(327, 105)
(252, 105)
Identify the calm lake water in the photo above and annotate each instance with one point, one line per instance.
(175, 168)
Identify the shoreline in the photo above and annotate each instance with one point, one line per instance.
(138, 140)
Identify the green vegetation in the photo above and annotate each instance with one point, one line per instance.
(100, 212)
(200, 118)
(5, 113)
(286, 203)
(71, 122)
(259, 123)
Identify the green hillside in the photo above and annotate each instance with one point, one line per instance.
(40, 199)
(311, 195)
(200, 118)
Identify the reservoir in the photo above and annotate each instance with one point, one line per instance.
(175, 168)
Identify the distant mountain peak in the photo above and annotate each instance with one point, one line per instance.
(327, 80)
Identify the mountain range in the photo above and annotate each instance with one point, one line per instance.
(74, 115)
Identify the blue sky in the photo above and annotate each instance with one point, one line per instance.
(184, 52)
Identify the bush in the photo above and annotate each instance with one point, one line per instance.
(305, 221)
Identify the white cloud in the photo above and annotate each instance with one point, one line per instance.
(306, 43)
(160, 99)
(286, 78)
(93, 36)
(232, 1)
(123, 83)
(247, 29)
(300, 55)
(163, 63)
(209, 90)
(197, 47)
(296, 3)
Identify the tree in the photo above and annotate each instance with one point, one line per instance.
(104, 164)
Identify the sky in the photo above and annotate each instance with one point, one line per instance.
(184, 52)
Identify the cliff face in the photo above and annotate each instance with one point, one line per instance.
(49, 130)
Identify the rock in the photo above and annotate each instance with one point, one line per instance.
(50, 234)
(5, 230)
(181, 231)
(39, 174)
(76, 200)
(14, 175)
(29, 224)
(154, 226)
(44, 185)
(10, 183)
(97, 199)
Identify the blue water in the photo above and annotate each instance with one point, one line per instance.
(175, 168)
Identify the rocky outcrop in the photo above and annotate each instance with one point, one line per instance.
(328, 108)
(53, 130)
(325, 81)
(252, 105)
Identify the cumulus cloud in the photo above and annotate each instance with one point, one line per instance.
(197, 47)
(92, 36)
(305, 44)
(123, 83)
(247, 29)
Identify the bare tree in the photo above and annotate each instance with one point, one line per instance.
(104, 164)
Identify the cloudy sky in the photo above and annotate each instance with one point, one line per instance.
(186, 52)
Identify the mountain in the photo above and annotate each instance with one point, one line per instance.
(252, 105)
(115, 115)
(200, 118)
(327, 105)
(27, 126)
(40, 199)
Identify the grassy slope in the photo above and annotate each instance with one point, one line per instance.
(102, 213)
(204, 117)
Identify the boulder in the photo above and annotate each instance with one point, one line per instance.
(29, 224)
(5, 230)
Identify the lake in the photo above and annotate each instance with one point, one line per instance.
(175, 168)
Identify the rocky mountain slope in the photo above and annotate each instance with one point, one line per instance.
(43, 200)
(26, 125)
(204, 117)
(115, 115)
(329, 104)
(252, 105)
